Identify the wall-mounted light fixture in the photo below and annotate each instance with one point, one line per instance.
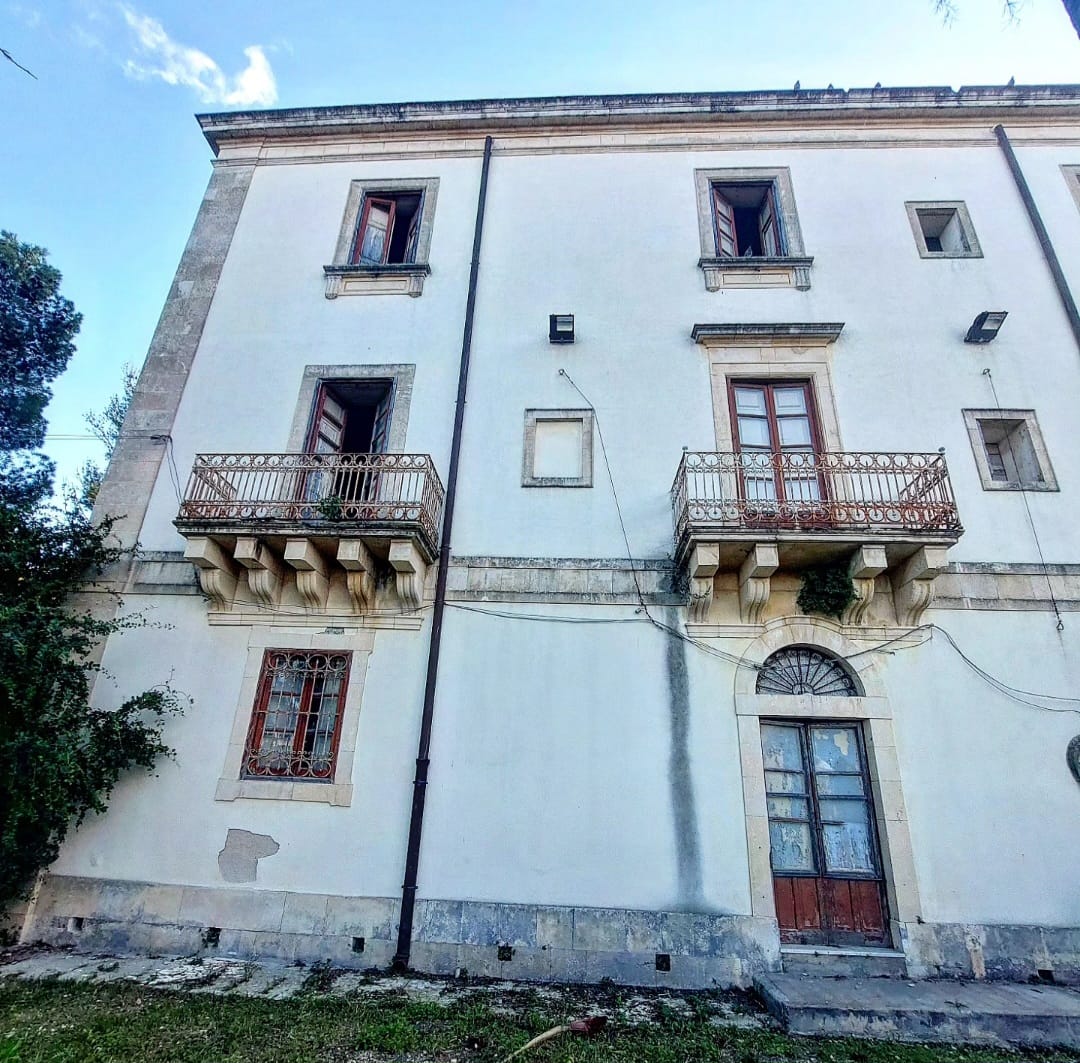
(561, 328)
(986, 326)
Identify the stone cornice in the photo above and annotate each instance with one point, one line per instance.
(990, 103)
(798, 334)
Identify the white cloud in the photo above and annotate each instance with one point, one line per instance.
(159, 56)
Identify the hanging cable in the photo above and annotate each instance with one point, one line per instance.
(659, 624)
(1031, 520)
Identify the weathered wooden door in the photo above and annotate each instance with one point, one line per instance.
(826, 866)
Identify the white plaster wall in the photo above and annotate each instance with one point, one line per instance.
(269, 319)
(613, 239)
(992, 806)
(167, 827)
(551, 775)
(554, 774)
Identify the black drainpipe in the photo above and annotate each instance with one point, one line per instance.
(1040, 231)
(416, 821)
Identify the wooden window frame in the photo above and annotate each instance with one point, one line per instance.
(804, 727)
(257, 725)
(358, 241)
(816, 437)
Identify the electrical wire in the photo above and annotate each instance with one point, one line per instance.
(659, 624)
(1031, 520)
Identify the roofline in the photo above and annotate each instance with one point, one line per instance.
(671, 108)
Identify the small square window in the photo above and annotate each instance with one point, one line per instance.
(1009, 450)
(558, 448)
(389, 229)
(296, 721)
(943, 230)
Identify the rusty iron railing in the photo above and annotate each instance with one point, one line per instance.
(863, 491)
(384, 489)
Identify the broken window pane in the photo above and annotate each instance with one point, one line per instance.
(835, 749)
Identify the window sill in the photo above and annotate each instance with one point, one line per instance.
(759, 271)
(1013, 485)
(949, 254)
(406, 278)
(283, 790)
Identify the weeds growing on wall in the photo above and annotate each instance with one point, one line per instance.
(827, 590)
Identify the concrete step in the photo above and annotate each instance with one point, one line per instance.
(998, 1013)
(843, 962)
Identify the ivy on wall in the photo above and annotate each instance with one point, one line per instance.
(827, 590)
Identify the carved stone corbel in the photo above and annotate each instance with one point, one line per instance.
(266, 574)
(755, 581)
(359, 565)
(703, 566)
(333, 286)
(409, 572)
(867, 563)
(216, 571)
(913, 584)
(312, 575)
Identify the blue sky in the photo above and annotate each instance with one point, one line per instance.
(102, 162)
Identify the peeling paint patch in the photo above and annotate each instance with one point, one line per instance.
(239, 860)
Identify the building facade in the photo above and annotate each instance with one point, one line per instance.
(757, 627)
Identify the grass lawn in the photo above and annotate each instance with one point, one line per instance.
(69, 1023)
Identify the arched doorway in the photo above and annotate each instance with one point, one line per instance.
(823, 847)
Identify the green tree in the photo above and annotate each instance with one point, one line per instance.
(59, 757)
(106, 424)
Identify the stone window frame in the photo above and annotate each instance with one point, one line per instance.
(354, 278)
(791, 269)
(232, 786)
(972, 421)
(771, 352)
(874, 712)
(1071, 173)
(401, 373)
(587, 417)
(963, 217)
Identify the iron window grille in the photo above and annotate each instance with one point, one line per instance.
(804, 670)
(296, 722)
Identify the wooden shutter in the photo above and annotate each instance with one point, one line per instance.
(767, 225)
(327, 426)
(380, 432)
(414, 232)
(375, 231)
(727, 245)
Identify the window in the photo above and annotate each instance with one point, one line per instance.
(385, 238)
(350, 417)
(558, 448)
(748, 229)
(296, 722)
(745, 219)
(943, 230)
(805, 670)
(777, 440)
(389, 229)
(1009, 450)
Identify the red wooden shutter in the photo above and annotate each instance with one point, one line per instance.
(770, 238)
(727, 245)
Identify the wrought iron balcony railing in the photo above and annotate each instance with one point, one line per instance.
(383, 490)
(842, 492)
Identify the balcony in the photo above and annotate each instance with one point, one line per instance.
(758, 512)
(306, 517)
